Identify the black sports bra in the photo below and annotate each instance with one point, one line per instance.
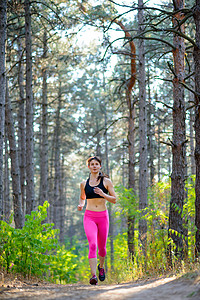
(89, 190)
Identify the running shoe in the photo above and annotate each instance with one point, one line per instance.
(102, 275)
(94, 280)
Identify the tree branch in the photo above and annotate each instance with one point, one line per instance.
(171, 69)
(168, 106)
(190, 89)
(182, 35)
(156, 39)
(190, 75)
(111, 124)
(190, 107)
(168, 144)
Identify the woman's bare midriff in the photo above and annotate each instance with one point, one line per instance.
(96, 204)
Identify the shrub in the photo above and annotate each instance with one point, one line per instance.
(34, 249)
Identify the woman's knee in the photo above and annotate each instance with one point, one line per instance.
(92, 250)
(102, 252)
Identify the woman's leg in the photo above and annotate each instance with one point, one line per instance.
(101, 260)
(103, 228)
(93, 265)
(91, 233)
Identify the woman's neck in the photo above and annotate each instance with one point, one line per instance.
(94, 176)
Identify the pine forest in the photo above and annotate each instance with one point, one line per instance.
(114, 79)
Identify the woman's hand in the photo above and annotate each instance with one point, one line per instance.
(111, 197)
(99, 191)
(80, 207)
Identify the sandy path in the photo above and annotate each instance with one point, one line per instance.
(160, 289)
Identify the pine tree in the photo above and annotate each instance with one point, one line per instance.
(30, 190)
(44, 128)
(142, 130)
(15, 171)
(3, 24)
(179, 139)
(196, 54)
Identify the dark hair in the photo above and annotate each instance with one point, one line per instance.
(97, 158)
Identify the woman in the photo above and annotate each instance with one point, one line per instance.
(96, 222)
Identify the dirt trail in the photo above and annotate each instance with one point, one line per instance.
(159, 289)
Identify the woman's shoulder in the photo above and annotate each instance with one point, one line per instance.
(83, 183)
(107, 181)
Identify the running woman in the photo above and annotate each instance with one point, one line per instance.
(97, 189)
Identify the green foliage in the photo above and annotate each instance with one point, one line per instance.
(127, 201)
(34, 249)
(156, 214)
(63, 266)
(189, 216)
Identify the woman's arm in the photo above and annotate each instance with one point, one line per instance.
(82, 197)
(112, 196)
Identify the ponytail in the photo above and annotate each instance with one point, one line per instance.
(102, 175)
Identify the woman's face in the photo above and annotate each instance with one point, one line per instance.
(94, 166)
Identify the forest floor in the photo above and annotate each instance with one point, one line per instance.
(185, 287)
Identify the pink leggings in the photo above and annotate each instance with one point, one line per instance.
(96, 225)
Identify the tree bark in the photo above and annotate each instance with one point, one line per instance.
(44, 147)
(3, 24)
(178, 141)
(131, 136)
(98, 143)
(6, 198)
(131, 177)
(123, 163)
(169, 159)
(30, 192)
(158, 151)
(62, 203)
(192, 158)
(142, 131)
(21, 125)
(111, 225)
(196, 55)
(57, 167)
(150, 134)
(15, 172)
(50, 214)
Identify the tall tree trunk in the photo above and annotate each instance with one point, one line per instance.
(169, 159)
(123, 162)
(158, 141)
(57, 178)
(30, 192)
(15, 172)
(131, 176)
(124, 219)
(6, 197)
(98, 143)
(142, 131)
(150, 134)
(44, 147)
(51, 182)
(196, 54)
(192, 158)
(3, 23)
(158, 151)
(131, 135)
(62, 203)
(111, 225)
(21, 124)
(178, 141)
